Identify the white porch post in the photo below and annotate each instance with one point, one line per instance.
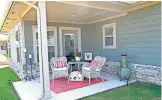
(43, 50)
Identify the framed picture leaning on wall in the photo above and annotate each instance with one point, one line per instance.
(88, 56)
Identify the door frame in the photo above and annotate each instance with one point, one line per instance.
(60, 37)
(49, 28)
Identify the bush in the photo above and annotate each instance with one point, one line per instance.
(6, 55)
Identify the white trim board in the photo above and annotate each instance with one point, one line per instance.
(69, 28)
(49, 28)
(23, 43)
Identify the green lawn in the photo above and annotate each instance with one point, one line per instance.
(5, 55)
(6, 91)
(135, 91)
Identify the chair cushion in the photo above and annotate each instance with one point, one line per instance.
(59, 69)
(86, 68)
(94, 63)
(58, 64)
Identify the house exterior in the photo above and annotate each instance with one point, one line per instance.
(3, 48)
(136, 33)
(3, 44)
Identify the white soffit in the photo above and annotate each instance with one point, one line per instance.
(67, 12)
(15, 13)
(79, 12)
(85, 12)
(130, 3)
(99, 16)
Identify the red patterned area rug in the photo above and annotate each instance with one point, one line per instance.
(62, 85)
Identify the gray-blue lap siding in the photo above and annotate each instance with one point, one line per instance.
(138, 34)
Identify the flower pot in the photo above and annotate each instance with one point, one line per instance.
(77, 58)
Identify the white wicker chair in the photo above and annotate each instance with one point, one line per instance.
(90, 71)
(59, 72)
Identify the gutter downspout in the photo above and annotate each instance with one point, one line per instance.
(39, 31)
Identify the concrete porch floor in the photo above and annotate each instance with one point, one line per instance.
(31, 90)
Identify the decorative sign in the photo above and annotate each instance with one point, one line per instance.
(88, 56)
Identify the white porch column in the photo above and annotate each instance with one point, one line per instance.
(43, 50)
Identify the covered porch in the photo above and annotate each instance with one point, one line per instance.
(47, 28)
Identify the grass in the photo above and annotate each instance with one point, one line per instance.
(135, 91)
(5, 55)
(7, 91)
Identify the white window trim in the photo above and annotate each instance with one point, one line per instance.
(60, 37)
(49, 28)
(112, 25)
(18, 29)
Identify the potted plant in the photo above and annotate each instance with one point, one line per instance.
(77, 55)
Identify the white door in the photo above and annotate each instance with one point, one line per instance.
(51, 43)
(70, 40)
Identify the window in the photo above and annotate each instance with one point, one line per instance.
(9, 52)
(109, 36)
(18, 47)
(9, 47)
(18, 54)
(50, 44)
(17, 36)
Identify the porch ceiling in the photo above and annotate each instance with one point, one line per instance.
(79, 12)
(71, 13)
